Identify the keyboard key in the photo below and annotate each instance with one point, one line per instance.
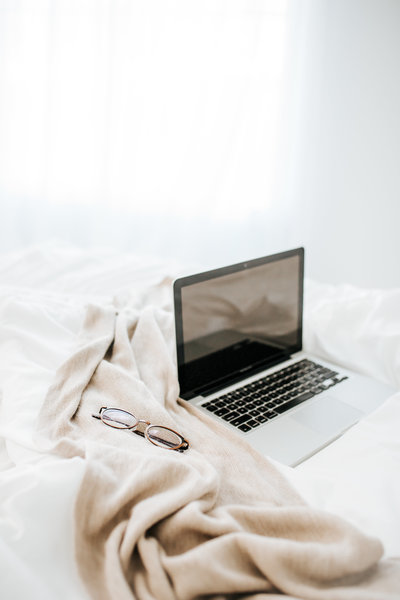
(254, 413)
(295, 402)
(272, 414)
(222, 411)
(230, 415)
(219, 403)
(211, 407)
(239, 420)
(244, 427)
(253, 423)
(262, 418)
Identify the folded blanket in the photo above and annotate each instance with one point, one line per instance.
(216, 521)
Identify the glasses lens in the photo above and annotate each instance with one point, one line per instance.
(164, 437)
(118, 418)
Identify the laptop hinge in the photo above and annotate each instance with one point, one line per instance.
(216, 386)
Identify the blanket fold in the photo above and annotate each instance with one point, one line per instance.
(217, 521)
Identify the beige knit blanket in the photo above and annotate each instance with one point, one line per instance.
(217, 521)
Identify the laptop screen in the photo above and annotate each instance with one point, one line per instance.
(237, 320)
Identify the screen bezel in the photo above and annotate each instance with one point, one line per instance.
(188, 280)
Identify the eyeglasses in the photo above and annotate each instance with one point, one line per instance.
(161, 436)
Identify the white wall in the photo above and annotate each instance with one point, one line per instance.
(345, 163)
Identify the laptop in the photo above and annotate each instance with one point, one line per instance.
(239, 357)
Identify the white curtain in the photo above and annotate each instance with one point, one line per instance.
(208, 130)
(151, 124)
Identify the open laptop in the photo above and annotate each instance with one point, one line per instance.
(239, 353)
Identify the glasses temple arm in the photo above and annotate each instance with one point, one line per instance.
(138, 432)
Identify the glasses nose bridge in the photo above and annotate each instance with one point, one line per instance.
(144, 424)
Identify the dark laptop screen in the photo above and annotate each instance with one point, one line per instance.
(237, 320)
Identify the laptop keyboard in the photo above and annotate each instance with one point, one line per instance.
(260, 401)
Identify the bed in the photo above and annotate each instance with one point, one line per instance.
(45, 292)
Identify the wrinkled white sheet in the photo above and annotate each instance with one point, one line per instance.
(43, 295)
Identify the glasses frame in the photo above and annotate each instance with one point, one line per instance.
(184, 445)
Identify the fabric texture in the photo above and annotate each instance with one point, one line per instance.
(217, 521)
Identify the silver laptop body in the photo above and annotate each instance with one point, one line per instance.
(239, 355)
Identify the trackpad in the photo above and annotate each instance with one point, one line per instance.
(327, 415)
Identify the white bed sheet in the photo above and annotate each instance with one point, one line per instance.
(43, 295)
